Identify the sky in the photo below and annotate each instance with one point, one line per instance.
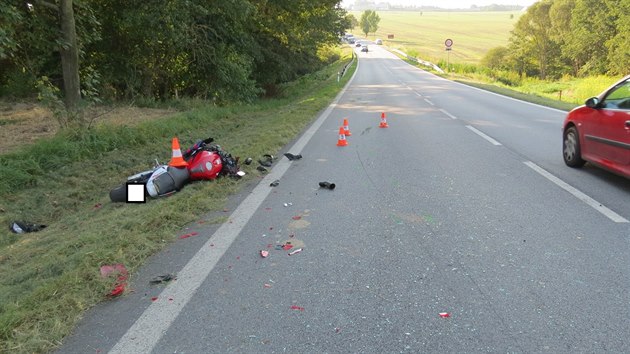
(450, 4)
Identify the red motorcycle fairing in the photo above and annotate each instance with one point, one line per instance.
(205, 165)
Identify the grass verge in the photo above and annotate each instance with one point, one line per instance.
(49, 278)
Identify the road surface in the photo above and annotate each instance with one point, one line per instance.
(456, 229)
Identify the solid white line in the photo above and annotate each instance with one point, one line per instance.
(149, 328)
(481, 134)
(448, 114)
(429, 102)
(576, 193)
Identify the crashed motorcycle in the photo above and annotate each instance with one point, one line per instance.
(204, 161)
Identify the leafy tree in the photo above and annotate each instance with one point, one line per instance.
(496, 58)
(619, 45)
(591, 26)
(532, 38)
(369, 21)
(352, 21)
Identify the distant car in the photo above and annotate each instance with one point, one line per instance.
(358, 44)
(351, 40)
(599, 131)
(379, 41)
(364, 49)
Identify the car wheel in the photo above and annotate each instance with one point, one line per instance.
(571, 148)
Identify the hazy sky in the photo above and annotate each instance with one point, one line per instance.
(450, 4)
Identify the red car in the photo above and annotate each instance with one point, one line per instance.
(599, 131)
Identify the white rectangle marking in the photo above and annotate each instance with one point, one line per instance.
(448, 114)
(481, 134)
(576, 193)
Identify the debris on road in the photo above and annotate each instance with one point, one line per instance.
(248, 161)
(264, 254)
(294, 307)
(445, 314)
(162, 279)
(188, 235)
(261, 169)
(327, 185)
(297, 217)
(292, 157)
(274, 183)
(296, 251)
(287, 204)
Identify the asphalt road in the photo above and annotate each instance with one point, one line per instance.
(462, 207)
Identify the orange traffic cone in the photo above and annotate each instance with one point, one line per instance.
(383, 121)
(346, 129)
(342, 138)
(177, 160)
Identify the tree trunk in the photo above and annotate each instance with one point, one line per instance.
(69, 56)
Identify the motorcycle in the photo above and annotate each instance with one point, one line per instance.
(205, 161)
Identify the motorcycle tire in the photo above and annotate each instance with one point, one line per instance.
(118, 194)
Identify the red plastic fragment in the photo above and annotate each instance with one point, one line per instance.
(154, 298)
(188, 235)
(267, 286)
(445, 314)
(264, 253)
(118, 290)
(297, 217)
(287, 246)
(294, 307)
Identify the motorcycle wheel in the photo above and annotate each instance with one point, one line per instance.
(118, 194)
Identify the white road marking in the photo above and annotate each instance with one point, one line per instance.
(418, 93)
(481, 134)
(576, 193)
(155, 321)
(448, 114)
(429, 102)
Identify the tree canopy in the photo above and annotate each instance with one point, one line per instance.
(223, 50)
(369, 22)
(576, 37)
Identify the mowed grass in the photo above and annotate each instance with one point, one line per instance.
(49, 278)
(473, 33)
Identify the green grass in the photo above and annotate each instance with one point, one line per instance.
(49, 278)
(473, 33)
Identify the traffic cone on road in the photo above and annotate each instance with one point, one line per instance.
(346, 129)
(342, 138)
(383, 121)
(177, 160)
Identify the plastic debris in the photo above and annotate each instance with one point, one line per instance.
(248, 161)
(296, 251)
(327, 185)
(261, 169)
(292, 157)
(264, 254)
(294, 307)
(297, 217)
(162, 279)
(274, 183)
(287, 204)
(287, 246)
(445, 314)
(267, 286)
(21, 227)
(154, 299)
(188, 235)
(121, 281)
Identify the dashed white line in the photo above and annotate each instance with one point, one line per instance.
(576, 193)
(448, 114)
(481, 134)
(429, 102)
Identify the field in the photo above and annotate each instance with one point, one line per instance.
(473, 33)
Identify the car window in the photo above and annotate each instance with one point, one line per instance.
(619, 97)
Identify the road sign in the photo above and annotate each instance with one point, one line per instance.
(448, 43)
